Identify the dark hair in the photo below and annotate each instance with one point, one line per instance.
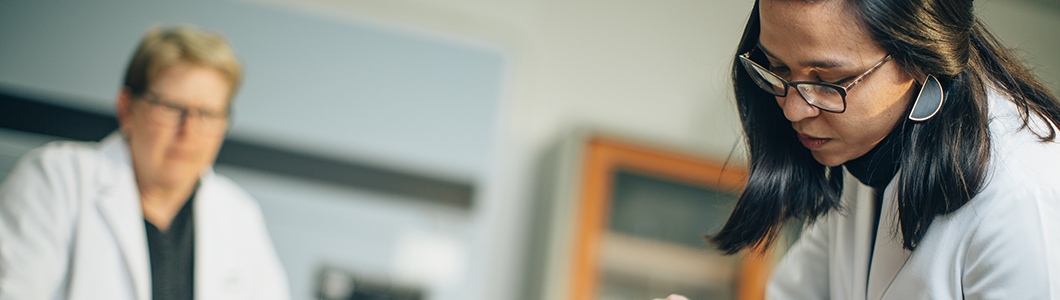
(943, 161)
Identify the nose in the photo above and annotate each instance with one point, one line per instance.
(186, 119)
(795, 106)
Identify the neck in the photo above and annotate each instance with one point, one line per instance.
(877, 167)
(161, 203)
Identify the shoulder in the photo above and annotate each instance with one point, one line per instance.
(86, 157)
(224, 194)
(1021, 197)
(1020, 163)
(48, 188)
(224, 185)
(1013, 224)
(59, 164)
(1013, 235)
(1021, 190)
(63, 153)
(1016, 206)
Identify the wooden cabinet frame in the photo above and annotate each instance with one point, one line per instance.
(591, 162)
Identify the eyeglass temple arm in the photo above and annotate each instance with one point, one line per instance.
(873, 69)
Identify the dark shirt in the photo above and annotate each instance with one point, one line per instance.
(876, 168)
(173, 256)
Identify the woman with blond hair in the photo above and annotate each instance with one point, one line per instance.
(140, 214)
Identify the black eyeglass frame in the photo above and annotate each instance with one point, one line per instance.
(745, 59)
(152, 98)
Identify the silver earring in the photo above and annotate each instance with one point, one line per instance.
(929, 101)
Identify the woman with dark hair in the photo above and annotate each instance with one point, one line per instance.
(951, 138)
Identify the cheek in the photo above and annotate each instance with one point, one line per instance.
(204, 149)
(142, 135)
(209, 146)
(867, 126)
(894, 94)
(886, 100)
(156, 138)
(150, 142)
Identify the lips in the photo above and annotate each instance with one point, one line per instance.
(812, 142)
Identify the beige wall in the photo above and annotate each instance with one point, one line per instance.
(1033, 28)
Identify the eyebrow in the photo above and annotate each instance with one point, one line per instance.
(822, 64)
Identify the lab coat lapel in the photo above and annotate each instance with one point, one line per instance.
(215, 253)
(119, 204)
(888, 256)
(863, 209)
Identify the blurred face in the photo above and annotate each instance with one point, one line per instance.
(176, 128)
(822, 42)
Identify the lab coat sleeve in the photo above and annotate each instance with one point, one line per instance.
(1015, 250)
(38, 209)
(803, 272)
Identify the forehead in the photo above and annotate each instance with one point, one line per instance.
(192, 85)
(801, 32)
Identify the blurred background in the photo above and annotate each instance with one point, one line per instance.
(433, 149)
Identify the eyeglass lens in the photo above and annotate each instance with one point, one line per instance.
(170, 114)
(823, 96)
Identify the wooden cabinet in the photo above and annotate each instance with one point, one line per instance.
(621, 219)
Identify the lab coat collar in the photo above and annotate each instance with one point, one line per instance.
(215, 258)
(862, 205)
(889, 254)
(119, 204)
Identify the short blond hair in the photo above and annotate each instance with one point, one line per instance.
(164, 48)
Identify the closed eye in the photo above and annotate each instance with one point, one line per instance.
(172, 106)
(781, 71)
(210, 114)
(842, 82)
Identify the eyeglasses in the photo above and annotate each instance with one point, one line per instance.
(173, 115)
(826, 96)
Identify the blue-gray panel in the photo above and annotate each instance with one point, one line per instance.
(330, 86)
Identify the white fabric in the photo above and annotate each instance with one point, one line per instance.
(1004, 244)
(71, 227)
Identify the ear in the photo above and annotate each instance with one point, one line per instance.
(123, 107)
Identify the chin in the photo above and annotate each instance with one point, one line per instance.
(181, 172)
(828, 160)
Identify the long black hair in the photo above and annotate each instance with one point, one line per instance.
(943, 161)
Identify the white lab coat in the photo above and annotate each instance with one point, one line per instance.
(1004, 244)
(71, 227)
